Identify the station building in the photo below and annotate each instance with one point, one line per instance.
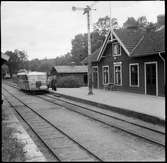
(132, 60)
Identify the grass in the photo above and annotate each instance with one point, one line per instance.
(12, 150)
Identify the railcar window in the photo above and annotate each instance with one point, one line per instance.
(38, 77)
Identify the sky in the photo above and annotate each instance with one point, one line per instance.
(45, 29)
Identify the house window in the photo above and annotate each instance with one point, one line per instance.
(118, 74)
(105, 74)
(134, 75)
(116, 49)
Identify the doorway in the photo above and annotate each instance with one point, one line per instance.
(151, 82)
(95, 76)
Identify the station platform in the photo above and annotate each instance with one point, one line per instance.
(146, 107)
(32, 153)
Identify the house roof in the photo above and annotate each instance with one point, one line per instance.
(137, 42)
(93, 56)
(152, 43)
(129, 37)
(71, 69)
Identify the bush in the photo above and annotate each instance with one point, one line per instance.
(69, 82)
(12, 150)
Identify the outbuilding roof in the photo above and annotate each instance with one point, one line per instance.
(71, 69)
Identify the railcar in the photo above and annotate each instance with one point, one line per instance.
(32, 81)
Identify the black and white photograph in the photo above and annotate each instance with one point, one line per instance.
(83, 81)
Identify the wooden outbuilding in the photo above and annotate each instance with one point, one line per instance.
(77, 71)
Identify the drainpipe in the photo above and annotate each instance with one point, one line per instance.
(164, 64)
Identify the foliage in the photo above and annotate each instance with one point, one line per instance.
(64, 60)
(142, 22)
(102, 26)
(79, 48)
(17, 60)
(151, 26)
(4, 69)
(161, 20)
(12, 150)
(80, 45)
(130, 23)
(96, 40)
(40, 65)
(44, 66)
(69, 82)
(34, 64)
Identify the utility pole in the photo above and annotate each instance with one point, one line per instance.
(87, 11)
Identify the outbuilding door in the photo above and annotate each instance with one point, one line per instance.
(151, 78)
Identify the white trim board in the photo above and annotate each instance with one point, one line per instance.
(105, 43)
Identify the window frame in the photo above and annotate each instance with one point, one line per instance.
(113, 44)
(130, 84)
(115, 65)
(103, 74)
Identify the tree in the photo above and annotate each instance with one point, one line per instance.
(64, 60)
(80, 45)
(22, 59)
(44, 67)
(96, 40)
(130, 23)
(151, 26)
(16, 60)
(102, 26)
(79, 48)
(34, 64)
(142, 22)
(4, 70)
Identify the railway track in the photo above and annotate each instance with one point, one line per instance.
(60, 144)
(151, 134)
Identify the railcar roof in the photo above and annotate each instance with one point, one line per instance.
(32, 73)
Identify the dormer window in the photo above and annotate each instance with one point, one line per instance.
(116, 49)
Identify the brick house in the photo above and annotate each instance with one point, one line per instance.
(132, 60)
